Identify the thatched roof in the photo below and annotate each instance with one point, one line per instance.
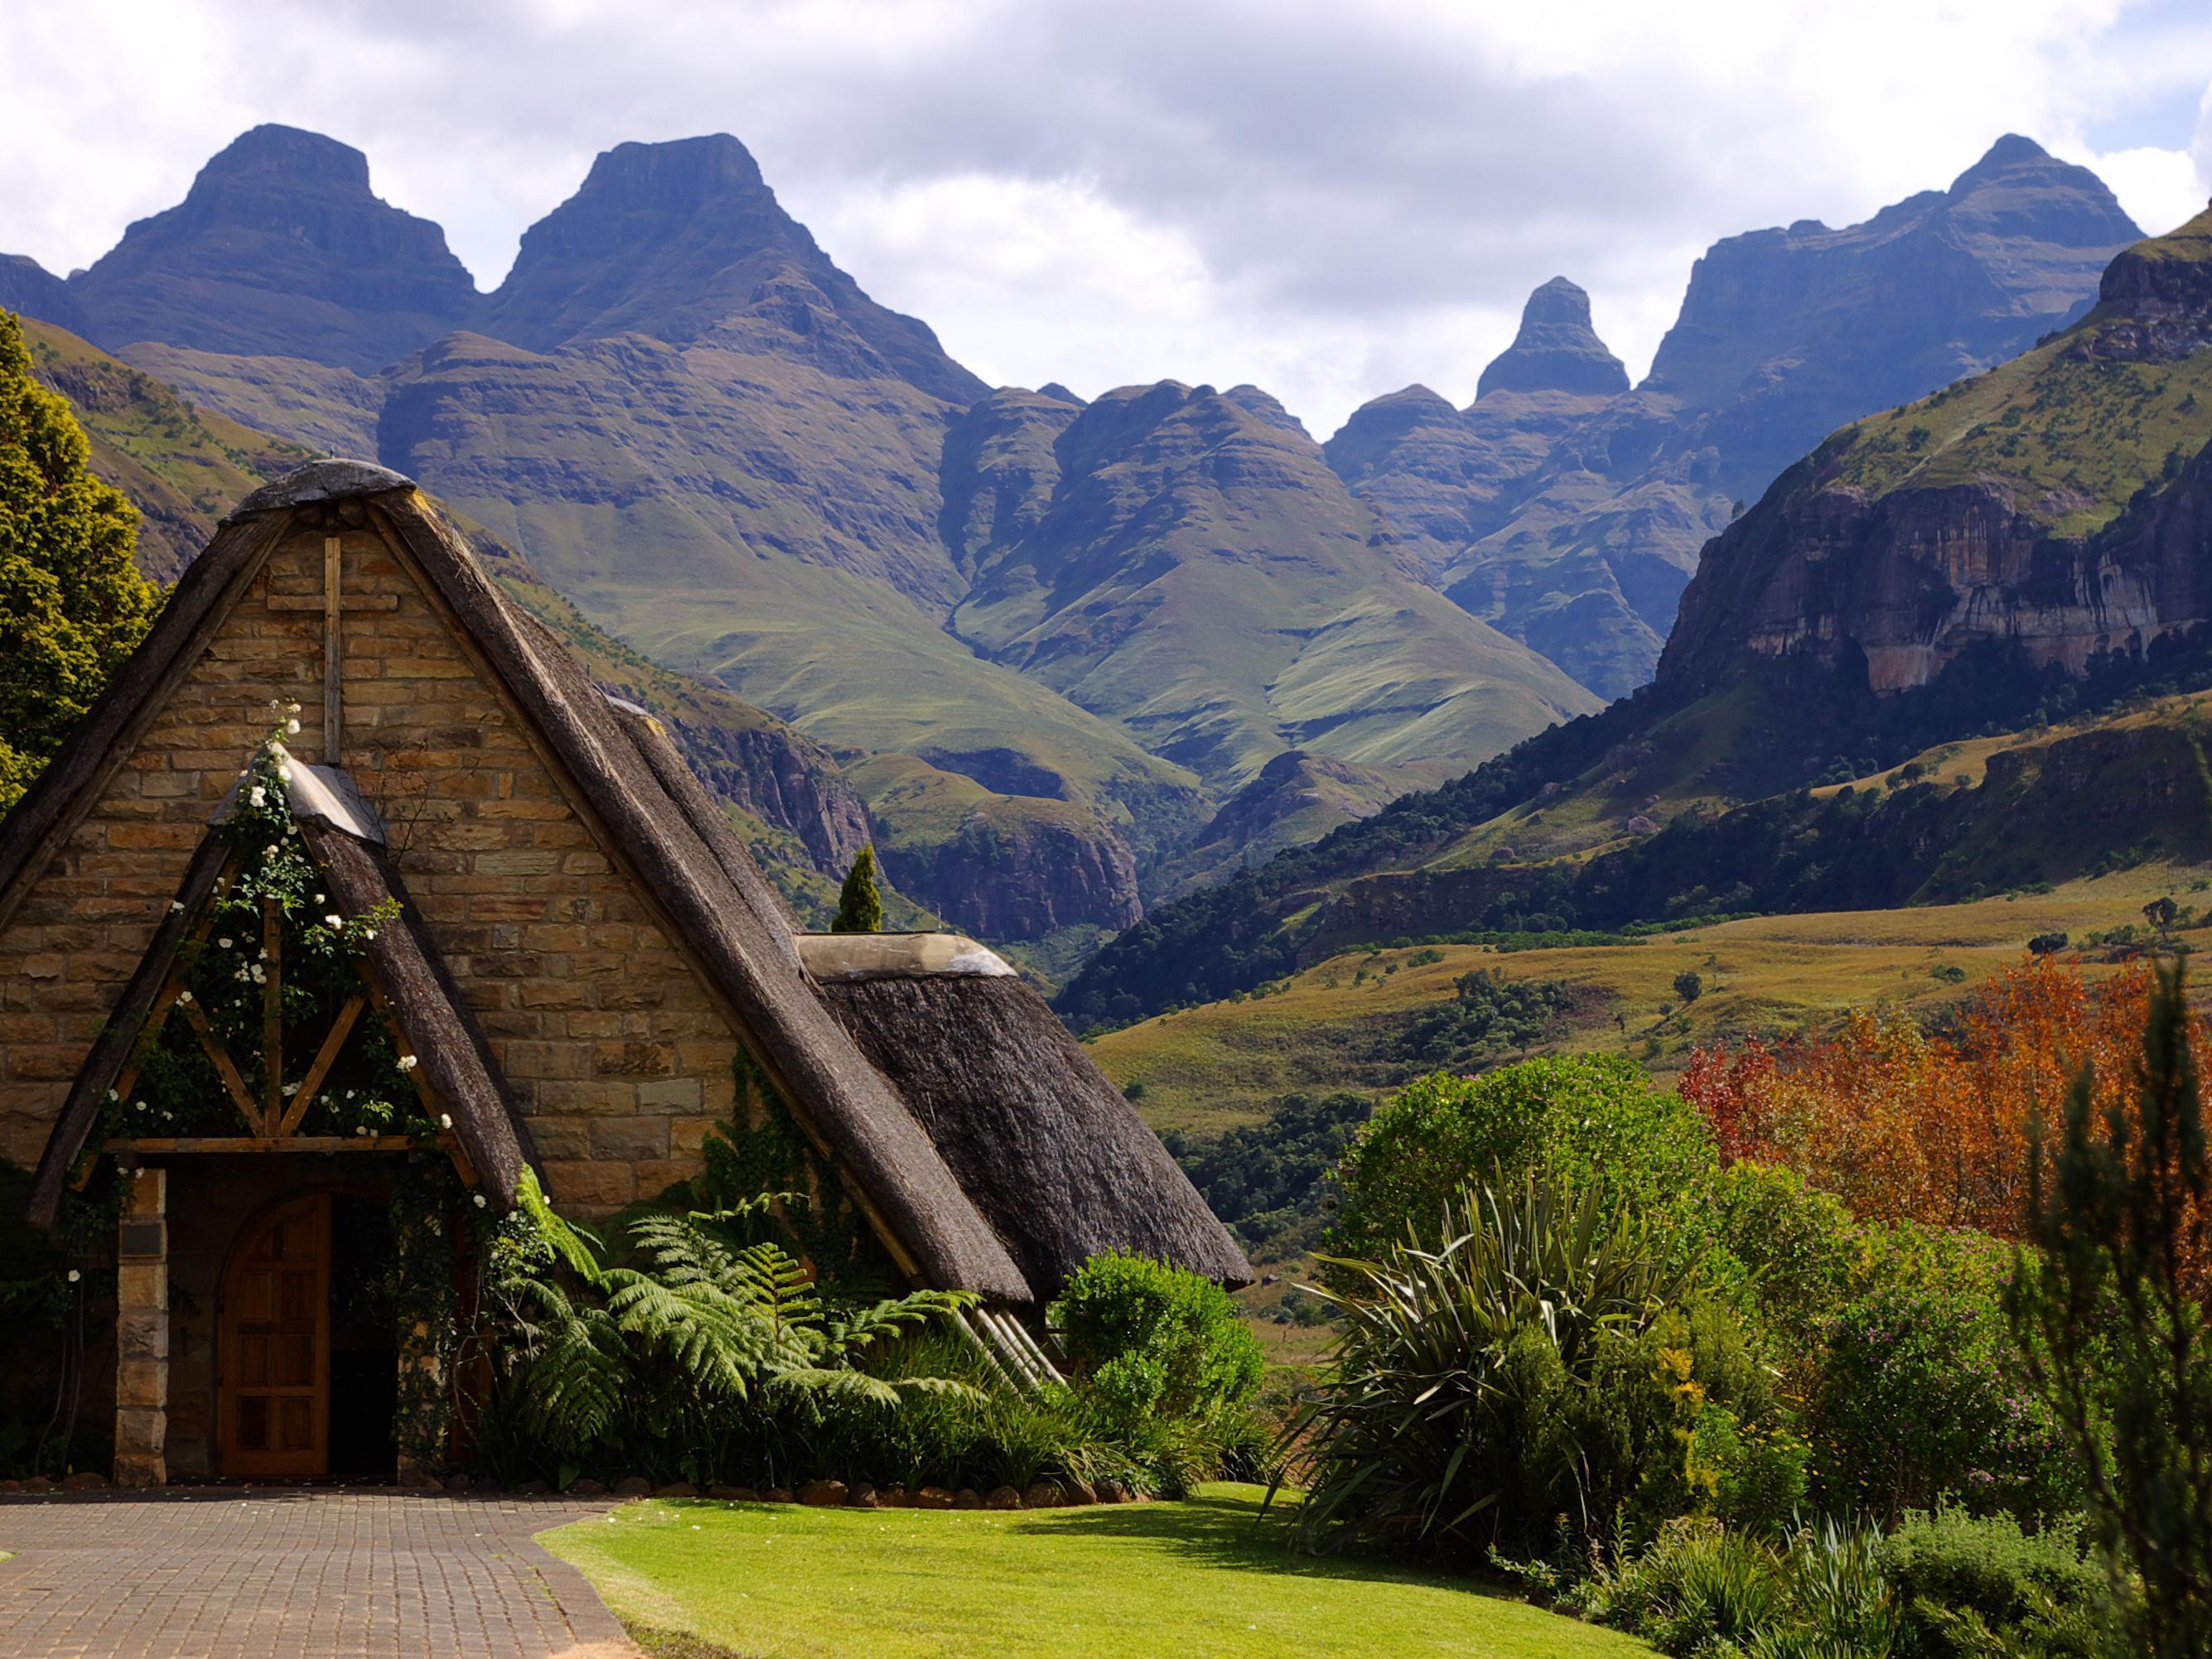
(346, 840)
(1057, 1160)
(988, 1152)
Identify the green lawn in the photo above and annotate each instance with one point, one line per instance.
(1193, 1580)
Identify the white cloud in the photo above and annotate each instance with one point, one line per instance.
(1329, 200)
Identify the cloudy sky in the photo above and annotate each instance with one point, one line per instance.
(1330, 199)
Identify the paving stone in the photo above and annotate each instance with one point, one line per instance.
(276, 1574)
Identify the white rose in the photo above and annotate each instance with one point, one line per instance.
(75, 1275)
(183, 996)
(291, 728)
(177, 906)
(480, 1201)
(260, 796)
(333, 921)
(407, 1062)
(368, 932)
(445, 1120)
(224, 942)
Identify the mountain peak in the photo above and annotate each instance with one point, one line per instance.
(684, 242)
(2013, 150)
(297, 156)
(678, 172)
(280, 248)
(1556, 350)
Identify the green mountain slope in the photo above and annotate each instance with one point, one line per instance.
(184, 466)
(1185, 562)
(2034, 544)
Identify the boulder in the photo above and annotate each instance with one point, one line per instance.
(633, 1486)
(823, 1494)
(967, 1498)
(1047, 1494)
(84, 1481)
(893, 1497)
(1112, 1492)
(587, 1488)
(459, 1483)
(722, 1493)
(864, 1497)
(932, 1497)
(1003, 1497)
(776, 1495)
(1075, 1490)
(677, 1489)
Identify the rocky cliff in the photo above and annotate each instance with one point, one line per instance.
(280, 249)
(2055, 508)
(1575, 528)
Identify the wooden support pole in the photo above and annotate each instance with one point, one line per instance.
(272, 1016)
(325, 1057)
(333, 701)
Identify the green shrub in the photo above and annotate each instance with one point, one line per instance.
(1922, 1399)
(1697, 1586)
(1166, 1341)
(1535, 1376)
(1594, 1122)
(1950, 1567)
(1787, 1248)
(1705, 1591)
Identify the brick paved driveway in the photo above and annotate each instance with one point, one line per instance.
(295, 1575)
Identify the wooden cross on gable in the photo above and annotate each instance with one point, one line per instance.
(329, 602)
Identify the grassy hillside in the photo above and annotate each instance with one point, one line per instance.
(184, 466)
(1210, 1068)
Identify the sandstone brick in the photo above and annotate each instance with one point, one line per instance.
(590, 1184)
(672, 1096)
(630, 1139)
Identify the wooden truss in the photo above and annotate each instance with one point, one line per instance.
(271, 1121)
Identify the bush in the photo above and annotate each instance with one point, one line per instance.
(1951, 1568)
(1591, 1122)
(1792, 1245)
(1921, 1397)
(1166, 1341)
(1702, 1590)
(1535, 1376)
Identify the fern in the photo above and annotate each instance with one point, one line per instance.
(688, 1347)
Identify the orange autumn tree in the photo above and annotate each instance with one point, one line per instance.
(1903, 1125)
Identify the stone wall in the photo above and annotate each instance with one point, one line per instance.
(616, 1052)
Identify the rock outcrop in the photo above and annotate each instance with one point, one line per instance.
(1020, 880)
(1556, 350)
(280, 249)
(2057, 509)
(29, 290)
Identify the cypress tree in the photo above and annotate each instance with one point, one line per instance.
(72, 603)
(859, 902)
(2109, 1309)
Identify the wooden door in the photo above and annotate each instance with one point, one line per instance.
(276, 1377)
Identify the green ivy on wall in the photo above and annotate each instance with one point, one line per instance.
(762, 1149)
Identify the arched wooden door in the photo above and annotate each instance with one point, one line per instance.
(275, 1354)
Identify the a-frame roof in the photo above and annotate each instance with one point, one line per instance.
(652, 818)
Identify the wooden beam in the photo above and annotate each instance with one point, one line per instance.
(272, 1016)
(314, 602)
(325, 1057)
(266, 1144)
(225, 1068)
(333, 698)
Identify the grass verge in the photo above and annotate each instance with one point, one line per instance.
(1204, 1579)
